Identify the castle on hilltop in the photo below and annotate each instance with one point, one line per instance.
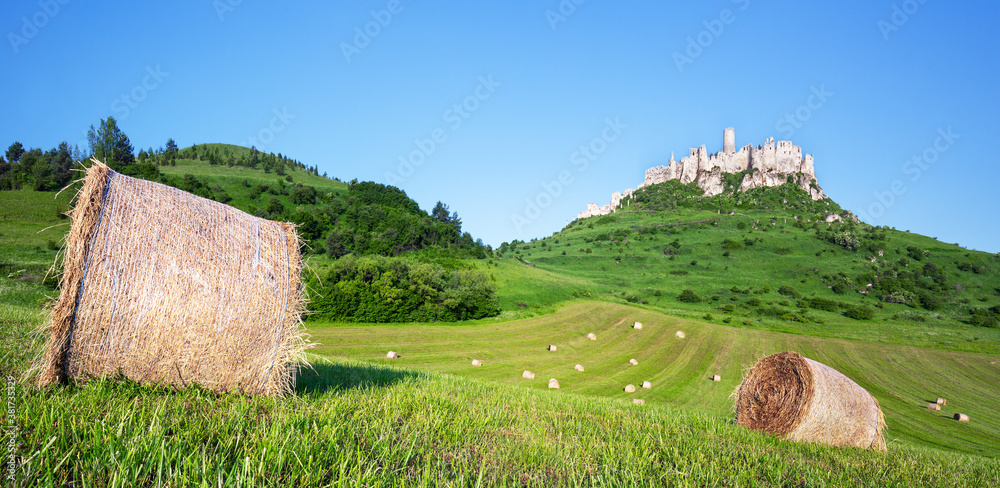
(769, 164)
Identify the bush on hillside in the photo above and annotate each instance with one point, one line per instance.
(860, 313)
(689, 296)
(381, 289)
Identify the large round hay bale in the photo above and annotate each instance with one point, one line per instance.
(476, 362)
(528, 375)
(934, 406)
(392, 355)
(679, 334)
(578, 367)
(637, 326)
(552, 347)
(630, 388)
(554, 383)
(942, 401)
(162, 286)
(591, 336)
(961, 417)
(803, 400)
(633, 362)
(647, 385)
(716, 377)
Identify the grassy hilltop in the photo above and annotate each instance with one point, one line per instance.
(765, 273)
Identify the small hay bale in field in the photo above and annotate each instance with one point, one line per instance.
(552, 347)
(591, 336)
(637, 326)
(961, 417)
(638, 401)
(476, 362)
(799, 399)
(528, 375)
(647, 385)
(942, 401)
(392, 355)
(716, 377)
(630, 388)
(162, 286)
(679, 334)
(554, 383)
(633, 362)
(578, 367)
(934, 406)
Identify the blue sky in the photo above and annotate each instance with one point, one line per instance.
(493, 100)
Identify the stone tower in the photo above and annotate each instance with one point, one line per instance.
(729, 141)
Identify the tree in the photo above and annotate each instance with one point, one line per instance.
(440, 212)
(110, 145)
(14, 153)
(171, 148)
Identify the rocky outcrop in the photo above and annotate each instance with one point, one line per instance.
(769, 164)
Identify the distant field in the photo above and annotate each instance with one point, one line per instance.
(903, 379)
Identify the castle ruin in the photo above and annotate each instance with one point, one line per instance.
(769, 164)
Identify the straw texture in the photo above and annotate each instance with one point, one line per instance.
(800, 399)
(162, 286)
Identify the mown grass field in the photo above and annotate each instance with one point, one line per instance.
(902, 378)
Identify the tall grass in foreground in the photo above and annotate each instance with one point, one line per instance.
(358, 424)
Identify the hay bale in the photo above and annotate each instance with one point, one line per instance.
(578, 367)
(638, 401)
(630, 388)
(961, 417)
(392, 355)
(647, 385)
(552, 347)
(679, 334)
(554, 383)
(633, 362)
(162, 286)
(934, 406)
(637, 326)
(795, 397)
(942, 401)
(591, 336)
(476, 362)
(716, 377)
(528, 375)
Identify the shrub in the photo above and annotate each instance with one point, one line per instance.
(679, 272)
(860, 313)
(708, 317)
(689, 296)
(729, 245)
(784, 251)
(840, 288)
(930, 301)
(788, 291)
(900, 296)
(753, 302)
(820, 304)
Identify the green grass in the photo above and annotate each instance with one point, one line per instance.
(633, 267)
(902, 378)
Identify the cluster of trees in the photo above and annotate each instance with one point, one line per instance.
(673, 194)
(381, 289)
